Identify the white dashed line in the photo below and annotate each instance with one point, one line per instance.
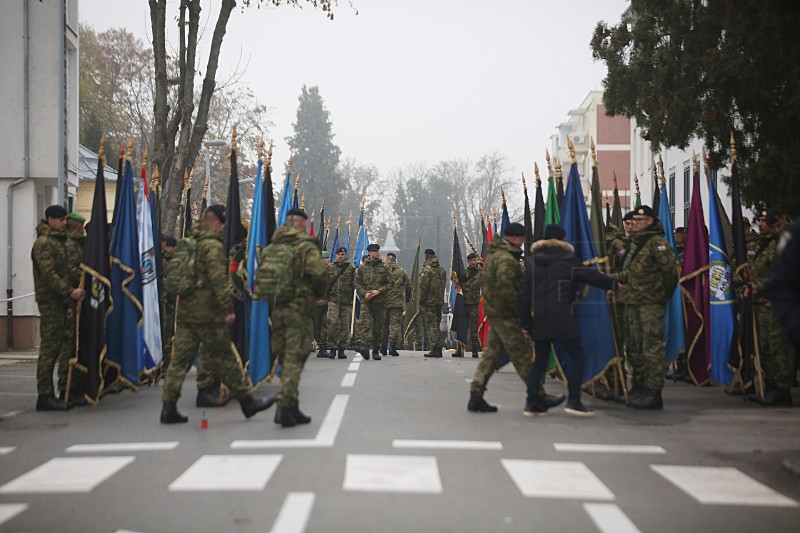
(294, 513)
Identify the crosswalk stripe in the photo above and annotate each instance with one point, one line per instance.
(227, 473)
(122, 447)
(5, 450)
(448, 444)
(608, 448)
(556, 479)
(392, 473)
(609, 518)
(67, 474)
(294, 514)
(10, 510)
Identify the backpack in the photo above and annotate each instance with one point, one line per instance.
(180, 278)
(275, 274)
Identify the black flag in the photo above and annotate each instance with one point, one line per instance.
(269, 203)
(527, 220)
(458, 307)
(538, 213)
(96, 281)
(233, 234)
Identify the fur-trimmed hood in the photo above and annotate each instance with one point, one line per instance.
(548, 251)
(552, 243)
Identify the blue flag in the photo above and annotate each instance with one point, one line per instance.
(504, 220)
(260, 361)
(592, 314)
(723, 310)
(674, 330)
(286, 201)
(335, 241)
(124, 341)
(361, 242)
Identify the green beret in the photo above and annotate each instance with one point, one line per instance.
(325, 254)
(77, 216)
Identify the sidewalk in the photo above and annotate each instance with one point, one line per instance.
(12, 358)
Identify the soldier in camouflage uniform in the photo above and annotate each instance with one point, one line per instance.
(471, 287)
(340, 303)
(773, 344)
(399, 291)
(320, 324)
(55, 290)
(432, 281)
(649, 275)
(372, 284)
(292, 331)
(168, 321)
(76, 238)
(203, 318)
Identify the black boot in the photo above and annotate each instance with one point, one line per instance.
(393, 350)
(251, 406)
(170, 414)
(647, 399)
(342, 355)
(475, 354)
(332, 354)
(212, 397)
(364, 353)
(383, 350)
(549, 400)
(436, 352)
(76, 399)
(299, 416)
(376, 355)
(478, 405)
(284, 416)
(459, 352)
(322, 352)
(50, 403)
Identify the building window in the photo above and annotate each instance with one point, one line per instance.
(672, 197)
(687, 189)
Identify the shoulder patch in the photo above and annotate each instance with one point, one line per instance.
(662, 247)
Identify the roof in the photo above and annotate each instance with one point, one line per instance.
(87, 166)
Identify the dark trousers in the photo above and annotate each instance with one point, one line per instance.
(572, 348)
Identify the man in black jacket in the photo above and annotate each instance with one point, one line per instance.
(546, 296)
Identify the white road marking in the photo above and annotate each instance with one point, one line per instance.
(448, 444)
(353, 366)
(5, 450)
(722, 486)
(349, 379)
(358, 358)
(468, 380)
(608, 448)
(10, 510)
(227, 473)
(125, 531)
(122, 447)
(392, 473)
(325, 438)
(10, 414)
(609, 518)
(72, 474)
(570, 480)
(294, 513)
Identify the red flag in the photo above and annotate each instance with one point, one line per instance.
(694, 285)
(483, 322)
(311, 231)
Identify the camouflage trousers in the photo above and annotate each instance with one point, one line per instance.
(217, 359)
(53, 328)
(370, 330)
(644, 337)
(321, 325)
(338, 329)
(292, 333)
(432, 316)
(472, 327)
(505, 337)
(70, 353)
(167, 330)
(393, 327)
(775, 350)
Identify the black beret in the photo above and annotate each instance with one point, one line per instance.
(554, 231)
(515, 229)
(680, 230)
(218, 210)
(473, 255)
(341, 249)
(628, 216)
(297, 212)
(391, 254)
(646, 211)
(55, 211)
(429, 251)
(772, 216)
(374, 247)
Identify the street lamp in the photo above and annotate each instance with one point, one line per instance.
(206, 145)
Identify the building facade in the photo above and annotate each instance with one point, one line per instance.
(38, 143)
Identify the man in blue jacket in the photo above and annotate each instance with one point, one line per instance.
(546, 297)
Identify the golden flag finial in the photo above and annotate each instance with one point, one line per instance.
(121, 152)
(549, 165)
(481, 213)
(297, 182)
(156, 183)
(303, 203)
(594, 152)
(234, 145)
(494, 214)
(695, 165)
(733, 148)
(350, 218)
(503, 195)
(524, 185)
(705, 160)
(536, 173)
(261, 147)
(561, 170)
(101, 153)
(454, 219)
(571, 147)
(363, 199)
(323, 204)
(205, 190)
(144, 158)
(636, 183)
(338, 221)
(129, 151)
(289, 165)
(661, 175)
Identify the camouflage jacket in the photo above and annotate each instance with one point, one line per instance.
(617, 244)
(761, 265)
(51, 273)
(210, 301)
(649, 271)
(432, 281)
(340, 284)
(310, 274)
(399, 286)
(501, 280)
(372, 275)
(75, 243)
(471, 285)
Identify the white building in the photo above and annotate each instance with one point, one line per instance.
(678, 177)
(38, 142)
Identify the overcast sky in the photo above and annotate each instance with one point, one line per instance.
(411, 80)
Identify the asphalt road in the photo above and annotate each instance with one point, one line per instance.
(391, 447)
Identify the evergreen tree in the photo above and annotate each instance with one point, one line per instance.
(315, 156)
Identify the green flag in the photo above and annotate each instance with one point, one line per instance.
(552, 213)
(596, 218)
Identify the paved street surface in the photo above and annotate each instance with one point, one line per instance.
(391, 447)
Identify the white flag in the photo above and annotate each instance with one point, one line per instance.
(151, 334)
